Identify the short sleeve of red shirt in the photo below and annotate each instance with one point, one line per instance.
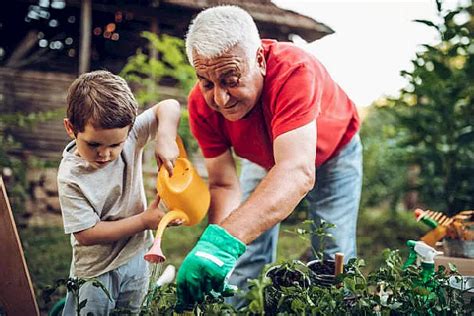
(297, 102)
(204, 126)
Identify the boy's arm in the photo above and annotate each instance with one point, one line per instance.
(110, 231)
(168, 114)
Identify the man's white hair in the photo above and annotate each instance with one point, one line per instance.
(216, 30)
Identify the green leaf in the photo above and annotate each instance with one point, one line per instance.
(452, 267)
(350, 284)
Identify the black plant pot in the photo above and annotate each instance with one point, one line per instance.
(321, 272)
(281, 277)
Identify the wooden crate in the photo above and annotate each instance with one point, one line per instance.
(465, 266)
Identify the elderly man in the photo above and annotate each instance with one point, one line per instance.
(276, 106)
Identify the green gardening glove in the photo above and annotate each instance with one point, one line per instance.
(206, 268)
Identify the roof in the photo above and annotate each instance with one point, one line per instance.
(264, 12)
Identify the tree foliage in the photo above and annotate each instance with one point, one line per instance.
(432, 121)
(14, 166)
(384, 176)
(146, 71)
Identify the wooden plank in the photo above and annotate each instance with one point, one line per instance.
(85, 36)
(16, 290)
(465, 266)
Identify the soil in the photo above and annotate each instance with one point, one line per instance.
(282, 277)
(322, 272)
(322, 267)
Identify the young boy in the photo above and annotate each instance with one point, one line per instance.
(101, 188)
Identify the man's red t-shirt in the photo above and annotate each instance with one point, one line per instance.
(297, 90)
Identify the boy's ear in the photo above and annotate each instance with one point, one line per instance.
(69, 128)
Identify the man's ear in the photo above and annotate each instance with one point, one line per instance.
(69, 128)
(261, 63)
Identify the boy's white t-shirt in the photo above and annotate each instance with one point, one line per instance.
(89, 194)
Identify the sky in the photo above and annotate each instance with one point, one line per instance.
(373, 41)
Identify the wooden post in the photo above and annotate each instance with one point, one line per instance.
(153, 54)
(154, 28)
(85, 41)
(22, 49)
(16, 291)
(339, 258)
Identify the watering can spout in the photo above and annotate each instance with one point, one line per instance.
(155, 254)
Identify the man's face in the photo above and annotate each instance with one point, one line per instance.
(99, 146)
(230, 83)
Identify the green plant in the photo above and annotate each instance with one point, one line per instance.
(146, 71)
(386, 290)
(434, 121)
(389, 290)
(184, 131)
(309, 229)
(161, 300)
(13, 168)
(384, 177)
(73, 285)
(256, 296)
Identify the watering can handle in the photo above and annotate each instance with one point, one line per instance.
(182, 150)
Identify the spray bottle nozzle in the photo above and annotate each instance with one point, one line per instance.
(424, 253)
(421, 250)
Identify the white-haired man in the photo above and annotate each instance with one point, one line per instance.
(276, 106)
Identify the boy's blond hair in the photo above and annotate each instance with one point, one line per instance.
(102, 99)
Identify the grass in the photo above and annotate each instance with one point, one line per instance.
(48, 252)
(48, 256)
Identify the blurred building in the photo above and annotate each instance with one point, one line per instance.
(41, 42)
(45, 44)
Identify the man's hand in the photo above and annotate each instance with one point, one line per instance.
(207, 267)
(166, 152)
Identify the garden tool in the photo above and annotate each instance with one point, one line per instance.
(185, 194)
(423, 254)
(437, 221)
(339, 267)
(463, 226)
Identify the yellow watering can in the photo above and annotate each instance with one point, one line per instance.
(185, 194)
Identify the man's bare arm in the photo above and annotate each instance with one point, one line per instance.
(224, 187)
(293, 175)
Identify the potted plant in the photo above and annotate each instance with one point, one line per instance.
(288, 289)
(289, 277)
(322, 270)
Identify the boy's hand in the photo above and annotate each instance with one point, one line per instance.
(166, 152)
(153, 215)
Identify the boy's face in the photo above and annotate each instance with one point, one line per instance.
(98, 146)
